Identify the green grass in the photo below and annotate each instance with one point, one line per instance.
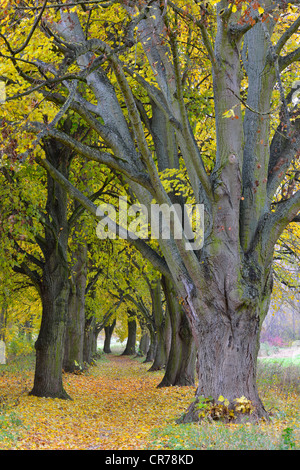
(20, 364)
(279, 388)
(217, 436)
(284, 361)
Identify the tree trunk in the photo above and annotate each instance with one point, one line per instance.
(180, 368)
(144, 344)
(90, 340)
(227, 357)
(131, 339)
(3, 320)
(160, 357)
(74, 343)
(108, 330)
(50, 343)
(54, 288)
(152, 347)
(226, 325)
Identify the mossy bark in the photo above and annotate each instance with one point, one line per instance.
(54, 288)
(74, 342)
(131, 338)
(180, 367)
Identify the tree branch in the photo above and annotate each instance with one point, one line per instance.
(277, 221)
(155, 259)
(286, 36)
(288, 59)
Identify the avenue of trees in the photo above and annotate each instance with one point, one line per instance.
(157, 101)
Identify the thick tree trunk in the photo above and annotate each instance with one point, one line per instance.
(152, 347)
(144, 344)
(160, 357)
(131, 339)
(74, 343)
(90, 340)
(226, 325)
(228, 296)
(50, 343)
(180, 368)
(54, 288)
(108, 330)
(227, 358)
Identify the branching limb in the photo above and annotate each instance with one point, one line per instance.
(287, 35)
(276, 222)
(288, 59)
(200, 25)
(157, 261)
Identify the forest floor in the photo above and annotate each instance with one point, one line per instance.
(116, 405)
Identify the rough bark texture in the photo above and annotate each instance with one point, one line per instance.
(74, 342)
(54, 288)
(90, 340)
(160, 357)
(180, 367)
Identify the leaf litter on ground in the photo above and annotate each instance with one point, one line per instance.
(116, 405)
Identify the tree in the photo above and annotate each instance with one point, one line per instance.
(134, 100)
(131, 337)
(108, 330)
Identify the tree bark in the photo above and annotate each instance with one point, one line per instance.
(131, 339)
(108, 330)
(180, 368)
(160, 357)
(3, 320)
(74, 342)
(54, 288)
(144, 344)
(152, 347)
(90, 340)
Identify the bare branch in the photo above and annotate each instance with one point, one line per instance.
(286, 36)
(155, 259)
(38, 19)
(202, 28)
(277, 221)
(288, 59)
